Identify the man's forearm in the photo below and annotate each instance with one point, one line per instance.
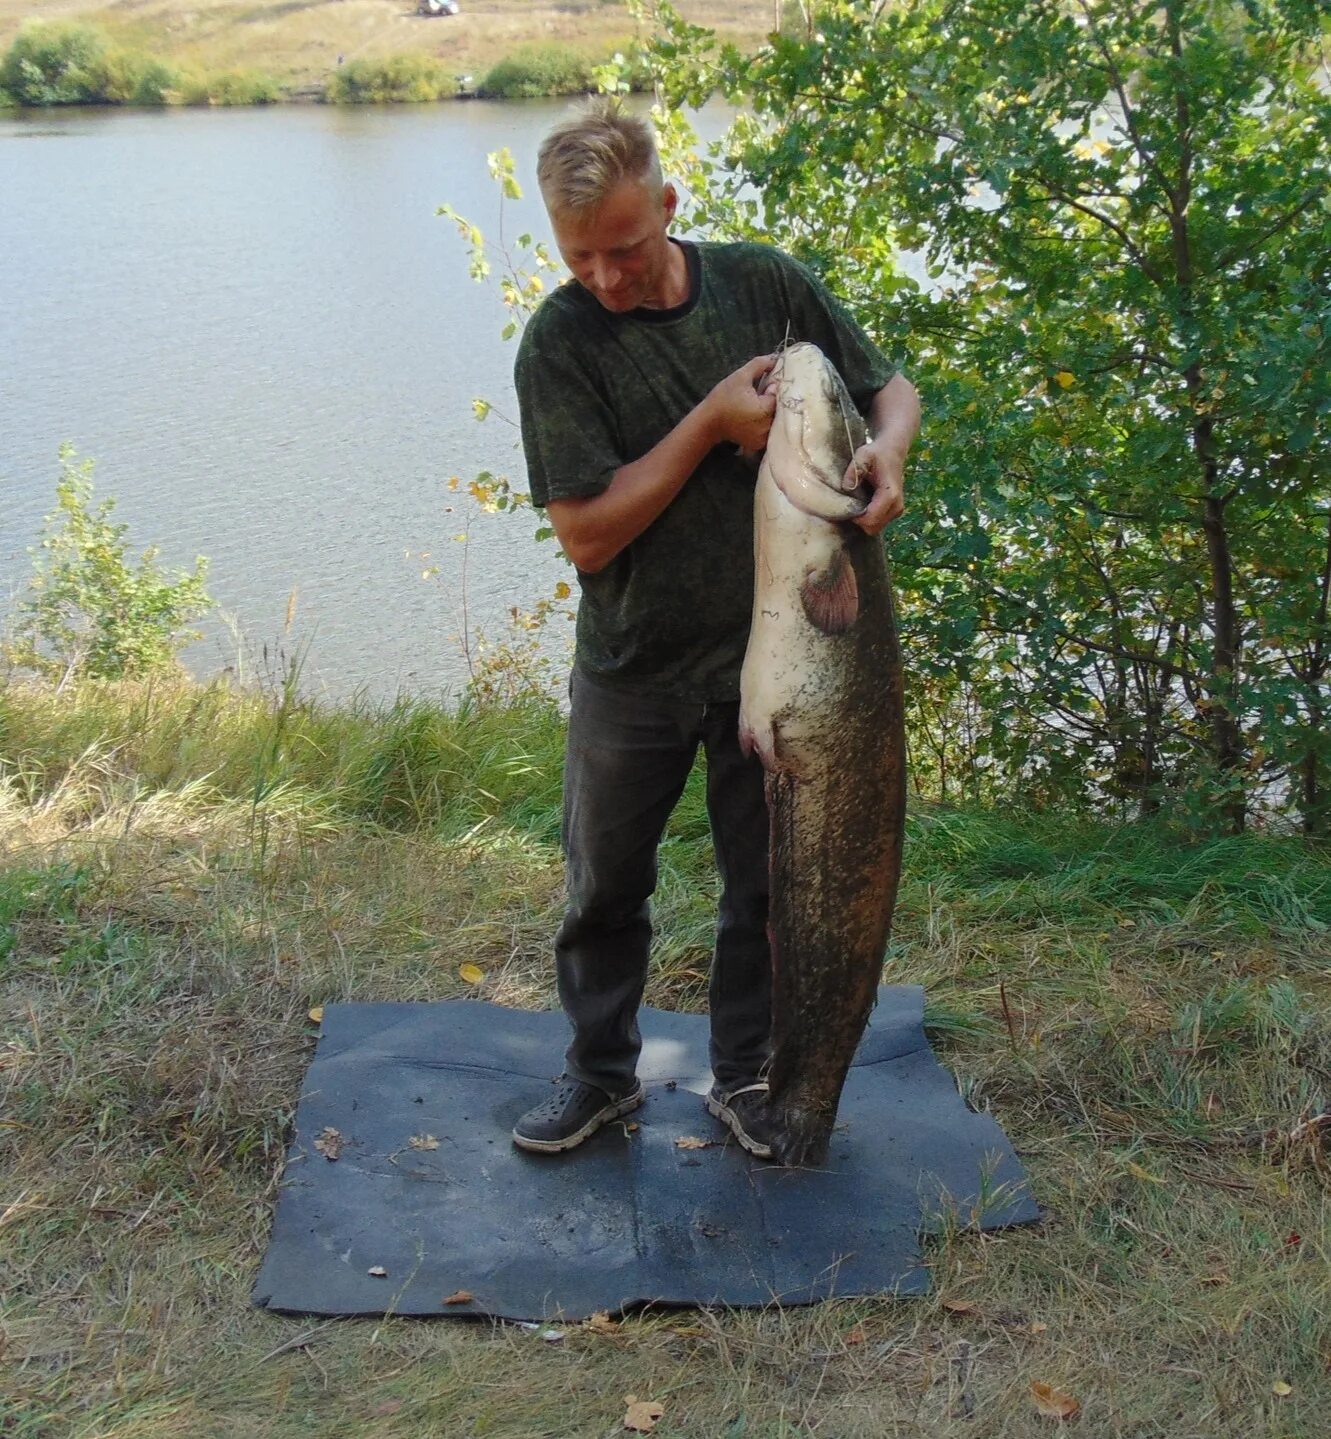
(593, 530)
(894, 417)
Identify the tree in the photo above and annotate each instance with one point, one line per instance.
(1119, 536)
(89, 612)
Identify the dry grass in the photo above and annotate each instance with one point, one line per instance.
(160, 945)
(299, 41)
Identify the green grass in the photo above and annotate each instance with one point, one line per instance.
(185, 871)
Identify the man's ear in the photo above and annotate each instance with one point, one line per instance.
(669, 199)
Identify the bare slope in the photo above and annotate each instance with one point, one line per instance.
(299, 41)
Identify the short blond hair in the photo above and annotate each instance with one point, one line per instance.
(587, 155)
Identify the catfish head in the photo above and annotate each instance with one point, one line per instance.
(815, 431)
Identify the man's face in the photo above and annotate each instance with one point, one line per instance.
(620, 252)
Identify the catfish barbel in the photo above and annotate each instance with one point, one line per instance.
(821, 702)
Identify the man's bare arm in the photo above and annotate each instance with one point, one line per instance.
(593, 530)
(894, 421)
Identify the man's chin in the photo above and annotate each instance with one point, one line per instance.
(618, 304)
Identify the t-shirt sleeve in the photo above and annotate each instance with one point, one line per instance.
(569, 435)
(820, 317)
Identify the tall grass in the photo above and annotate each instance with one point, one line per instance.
(186, 869)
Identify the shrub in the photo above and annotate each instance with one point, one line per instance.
(88, 610)
(131, 78)
(397, 79)
(231, 87)
(55, 62)
(538, 70)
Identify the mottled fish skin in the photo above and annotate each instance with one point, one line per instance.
(821, 701)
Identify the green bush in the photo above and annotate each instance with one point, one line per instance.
(131, 78)
(231, 87)
(537, 70)
(56, 62)
(88, 610)
(397, 79)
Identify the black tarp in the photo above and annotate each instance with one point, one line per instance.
(630, 1217)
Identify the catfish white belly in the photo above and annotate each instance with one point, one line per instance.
(821, 701)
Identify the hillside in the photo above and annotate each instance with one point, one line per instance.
(299, 41)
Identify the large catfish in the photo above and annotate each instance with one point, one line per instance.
(820, 700)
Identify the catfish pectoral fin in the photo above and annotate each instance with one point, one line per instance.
(831, 597)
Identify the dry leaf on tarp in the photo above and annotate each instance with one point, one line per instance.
(690, 1141)
(642, 1413)
(459, 1296)
(1053, 1403)
(317, 1014)
(423, 1141)
(329, 1143)
(378, 1271)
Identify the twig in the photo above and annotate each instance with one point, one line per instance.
(298, 1342)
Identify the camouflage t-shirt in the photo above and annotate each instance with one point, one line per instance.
(670, 613)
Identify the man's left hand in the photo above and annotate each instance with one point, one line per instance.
(883, 470)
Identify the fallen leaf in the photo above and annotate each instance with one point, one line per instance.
(423, 1141)
(459, 1296)
(631, 1127)
(960, 1306)
(378, 1271)
(1036, 1327)
(601, 1323)
(317, 1014)
(1053, 1403)
(642, 1413)
(854, 1335)
(329, 1143)
(472, 973)
(688, 1141)
(1281, 1388)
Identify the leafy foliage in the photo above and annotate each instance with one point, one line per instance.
(89, 611)
(1117, 558)
(400, 79)
(56, 63)
(65, 63)
(535, 70)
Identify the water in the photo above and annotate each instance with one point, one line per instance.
(255, 323)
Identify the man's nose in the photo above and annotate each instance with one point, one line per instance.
(606, 275)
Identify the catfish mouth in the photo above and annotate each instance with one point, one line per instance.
(814, 435)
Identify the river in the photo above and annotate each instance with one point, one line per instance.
(258, 327)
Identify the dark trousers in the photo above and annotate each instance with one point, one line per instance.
(627, 761)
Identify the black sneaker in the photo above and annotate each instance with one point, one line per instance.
(574, 1112)
(744, 1112)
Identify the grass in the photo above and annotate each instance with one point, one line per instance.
(299, 41)
(185, 871)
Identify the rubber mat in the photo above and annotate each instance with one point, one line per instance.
(428, 1199)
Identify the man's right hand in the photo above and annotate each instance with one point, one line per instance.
(737, 411)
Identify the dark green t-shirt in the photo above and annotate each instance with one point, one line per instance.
(670, 613)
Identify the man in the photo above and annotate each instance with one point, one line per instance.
(640, 389)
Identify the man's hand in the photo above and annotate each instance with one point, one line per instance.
(737, 411)
(894, 421)
(883, 470)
